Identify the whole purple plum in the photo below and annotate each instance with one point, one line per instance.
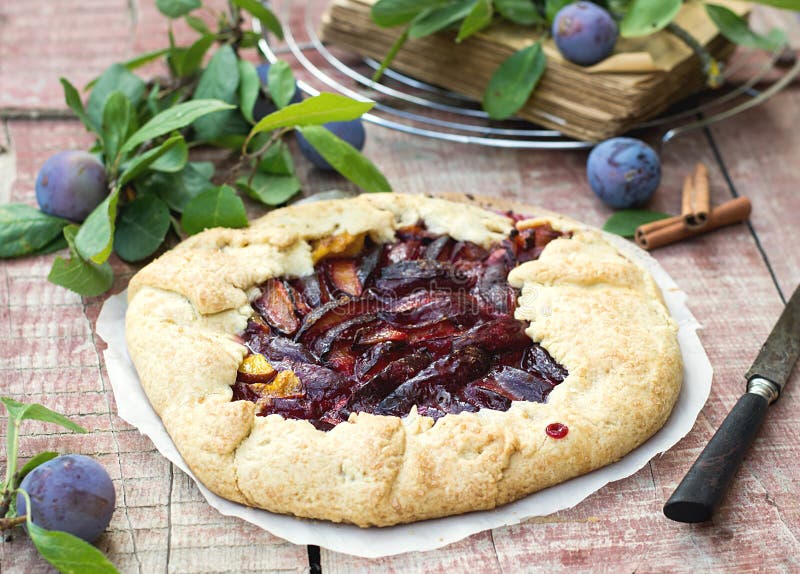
(352, 132)
(71, 493)
(71, 184)
(623, 172)
(584, 33)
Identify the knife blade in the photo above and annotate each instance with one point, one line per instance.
(704, 486)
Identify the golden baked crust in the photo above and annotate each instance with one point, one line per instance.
(597, 313)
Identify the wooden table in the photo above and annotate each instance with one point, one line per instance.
(737, 280)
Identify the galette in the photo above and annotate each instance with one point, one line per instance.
(393, 358)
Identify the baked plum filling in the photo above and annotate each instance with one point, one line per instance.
(425, 321)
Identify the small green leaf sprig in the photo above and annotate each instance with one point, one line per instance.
(515, 80)
(144, 133)
(625, 221)
(67, 553)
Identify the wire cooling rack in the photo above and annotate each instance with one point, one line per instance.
(411, 106)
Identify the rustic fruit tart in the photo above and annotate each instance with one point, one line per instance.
(392, 358)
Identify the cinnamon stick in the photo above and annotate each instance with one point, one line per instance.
(730, 212)
(649, 228)
(696, 198)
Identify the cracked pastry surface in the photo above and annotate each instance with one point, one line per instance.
(595, 312)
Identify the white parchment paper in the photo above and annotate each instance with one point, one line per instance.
(133, 407)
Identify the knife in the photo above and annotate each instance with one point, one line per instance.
(705, 484)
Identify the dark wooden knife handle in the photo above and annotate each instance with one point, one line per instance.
(705, 484)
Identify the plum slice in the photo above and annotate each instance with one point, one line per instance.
(485, 397)
(501, 334)
(373, 391)
(405, 251)
(281, 349)
(516, 384)
(378, 332)
(537, 360)
(369, 262)
(340, 332)
(437, 248)
(404, 277)
(340, 358)
(318, 382)
(344, 276)
(301, 307)
(332, 313)
(421, 309)
(375, 358)
(449, 372)
(310, 289)
(494, 290)
(244, 392)
(466, 251)
(276, 306)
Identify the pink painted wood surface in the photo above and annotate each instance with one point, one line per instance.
(48, 352)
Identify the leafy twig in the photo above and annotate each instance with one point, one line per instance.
(712, 68)
(9, 523)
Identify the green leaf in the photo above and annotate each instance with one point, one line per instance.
(117, 78)
(389, 13)
(35, 461)
(197, 24)
(134, 63)
(178, 189)
(736, 29)
(204, 168)
(514, 81)
(94, 239)
(264, 15)
(25, 230)
(249, 39)
(34, 411)
(172, 119)
(270, 189)
(522, 12)
(432, 21)
(82, 277)
(281, 83)
(479, 17)
(218, 207)
(187, 62)
(78, 275)
(73, 99)
(142, 227)
(552, 7)
(174, 157)
(625, 221)
(177, 8)
(277, 160)
(175, 59)
(148, 159)
(249, 88)
(144, 59)
(346, 159)
(647, 17)
(152, 105)
(219, 81)
(118, 119)
(318, 110)
(68, 553)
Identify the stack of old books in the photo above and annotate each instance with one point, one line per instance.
(641, 79)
